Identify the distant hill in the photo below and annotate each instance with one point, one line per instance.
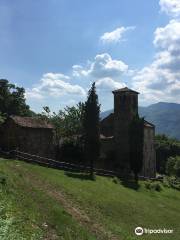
(165, 116)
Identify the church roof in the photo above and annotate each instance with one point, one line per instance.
(148, 124)
(125, 89)
(111, 117)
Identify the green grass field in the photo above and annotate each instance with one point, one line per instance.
(43, 203)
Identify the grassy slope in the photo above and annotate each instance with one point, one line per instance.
(30, 199)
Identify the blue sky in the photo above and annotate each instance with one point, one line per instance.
(56, 48)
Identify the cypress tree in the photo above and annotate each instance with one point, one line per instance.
(91, 128)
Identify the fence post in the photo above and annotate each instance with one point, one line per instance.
(12, 154)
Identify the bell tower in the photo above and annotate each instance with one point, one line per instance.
(125, 108)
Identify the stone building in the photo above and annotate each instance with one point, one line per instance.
(27, 134)
(115, 135)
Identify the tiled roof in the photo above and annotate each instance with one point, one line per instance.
(31, 122)
(148, 124)
(111, 116)
(125, 89)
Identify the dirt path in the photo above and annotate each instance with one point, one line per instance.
(79, 215)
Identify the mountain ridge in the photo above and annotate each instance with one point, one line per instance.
(164, 115)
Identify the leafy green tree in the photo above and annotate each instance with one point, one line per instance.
(91, 127)
(177, 166)
(165, 148)
(12, 100)
(173, 166)
(67, 122)
(136, 145)
(170, 166)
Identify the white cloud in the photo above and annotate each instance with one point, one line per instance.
(103, 66)
(116, 35)
(168, 37)
(160, 81)
(170, 7)
(108, 83)
(104, 70)
(33, 93)
(54, 85)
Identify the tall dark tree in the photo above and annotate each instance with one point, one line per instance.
(136, 145)
(91, 127)
(12, 100)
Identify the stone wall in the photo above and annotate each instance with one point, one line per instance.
(38, 141)
(149, 155)
(125, 108)
(107, 126)
(106, 160)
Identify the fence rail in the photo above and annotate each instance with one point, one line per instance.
(48, 162)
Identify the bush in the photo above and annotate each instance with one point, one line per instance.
(71, 151)
(173, 182)
(3, 180)
(170, 166)
(156, 186)
(177, 166)
(93, 176)
(148, 185)
(173, 166)
(165, 148)
(166, 181)
(116, 180)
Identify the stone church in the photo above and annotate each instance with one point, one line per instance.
(114, 135)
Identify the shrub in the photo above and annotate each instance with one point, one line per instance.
(93, 176)
(166, 181)
(173, 182)
(3, 180)
(173, 166)
(170, 166)
(165, 148)
(148, 184)
(156, 186)
(177, 166)
(115, 180)
(72, 151)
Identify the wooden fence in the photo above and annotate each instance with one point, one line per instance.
(47, 162)
(43, 161)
